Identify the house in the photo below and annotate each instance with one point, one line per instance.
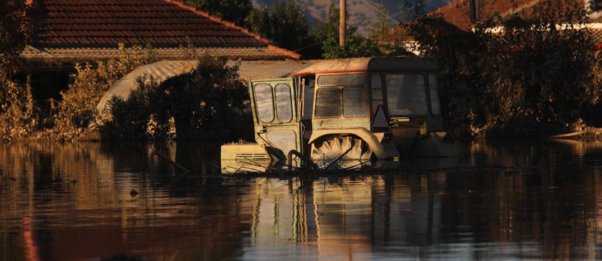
(66, 32)
(461, 13)
(88, 30)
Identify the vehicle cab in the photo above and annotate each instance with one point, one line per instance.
(360, 109)
(383, 102)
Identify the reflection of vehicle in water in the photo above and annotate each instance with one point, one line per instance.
(343, 113)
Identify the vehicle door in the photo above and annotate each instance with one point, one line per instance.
(276, 116)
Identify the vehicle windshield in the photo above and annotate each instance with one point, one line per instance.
(341, 95)
(274, 104)
(284, 103)
(264, 101)
(406, 94)
(435, 106)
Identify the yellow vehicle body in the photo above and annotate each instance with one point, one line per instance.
(244, 158)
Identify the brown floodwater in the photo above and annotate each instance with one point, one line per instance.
(540, 200)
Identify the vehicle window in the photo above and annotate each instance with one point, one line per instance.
(406, 94)
(342, 79)
(264, 101)
(308, 96)
(435, 106)
(354, 101)
(328, 102)
(377, 91)
(284, 108)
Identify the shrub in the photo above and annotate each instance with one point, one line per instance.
(139, 117)
(12, 35)
(207, 103)
(129, 118)
(536, 76)
(356, 45)
(17, 110)
(204, 102)
(76, 112)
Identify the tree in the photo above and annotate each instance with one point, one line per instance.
(76, 113)
(355, 44)
(389, 34)
(284, 23)
(232, 10)
(534, 76)
(205, 100)
(16, 103)
(12, 34)
(207, 103)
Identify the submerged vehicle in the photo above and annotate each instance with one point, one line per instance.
(342, 113)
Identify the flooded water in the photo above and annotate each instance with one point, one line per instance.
(497, 201)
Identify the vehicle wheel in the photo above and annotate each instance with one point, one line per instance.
(336, 151)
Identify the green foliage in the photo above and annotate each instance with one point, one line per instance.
(208, 100)
(389, 34)
(129, 118)
(76, 112)
(207, 103)
(231, 10)
(284, 23)
(533, 77)
(355, 44)
(12, 35)
(141, 116)
(17, 110)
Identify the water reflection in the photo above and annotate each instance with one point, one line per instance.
(88, 201)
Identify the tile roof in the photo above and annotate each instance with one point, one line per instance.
(457, 12)
(81, 55)
(102, 24)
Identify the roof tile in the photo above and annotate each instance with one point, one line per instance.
(457, 12)
(97, 24)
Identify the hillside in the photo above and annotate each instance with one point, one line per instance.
(361, 11)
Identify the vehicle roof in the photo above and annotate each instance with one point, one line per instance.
(410, 63)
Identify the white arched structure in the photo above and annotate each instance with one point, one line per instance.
(158, 72)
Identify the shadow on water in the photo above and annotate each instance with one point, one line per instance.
(499, 200)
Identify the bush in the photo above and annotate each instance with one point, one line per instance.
(76, 113)
(534, 77)
(356, 45)
(17, 110)
(207, 103)
(129, 118)
(12, 35)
